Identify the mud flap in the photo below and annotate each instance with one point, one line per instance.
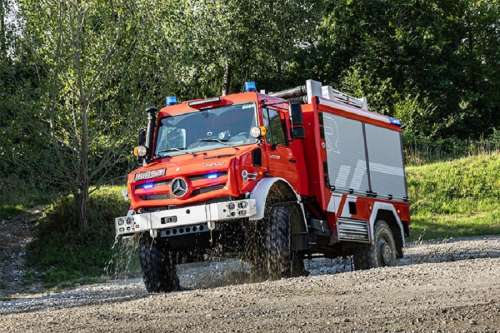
(300, 241)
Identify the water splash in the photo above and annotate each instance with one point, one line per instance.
(124, 261)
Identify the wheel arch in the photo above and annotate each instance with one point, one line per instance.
(387, 212)
(265, 186)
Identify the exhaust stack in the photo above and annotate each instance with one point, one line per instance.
(151, 111)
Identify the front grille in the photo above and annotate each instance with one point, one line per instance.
(165, 195)
(207, 189)
(212, 175)
(150, 185)
(156, 196)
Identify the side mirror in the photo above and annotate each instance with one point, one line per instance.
(297, 122)
(142, 137)
(298, 133)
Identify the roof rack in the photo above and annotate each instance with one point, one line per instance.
(339, 96)
(314, 88)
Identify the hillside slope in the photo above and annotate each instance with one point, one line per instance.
(448, 199)
(455, 198)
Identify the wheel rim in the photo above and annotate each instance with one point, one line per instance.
(385, 250)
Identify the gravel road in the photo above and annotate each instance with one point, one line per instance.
(449, 286)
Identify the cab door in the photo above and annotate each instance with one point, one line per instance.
(281, 160)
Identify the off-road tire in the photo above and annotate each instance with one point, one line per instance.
(281, 261)
(158, 265)
(379, 254)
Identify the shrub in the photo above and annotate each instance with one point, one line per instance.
(63, 252)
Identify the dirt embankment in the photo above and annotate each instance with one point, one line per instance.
(15, 235)
(440, 286)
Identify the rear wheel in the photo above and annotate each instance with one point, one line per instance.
(158, 265)
(379, 254)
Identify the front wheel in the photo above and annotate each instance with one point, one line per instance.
(280, 258)
(158, 265)
(379, 254)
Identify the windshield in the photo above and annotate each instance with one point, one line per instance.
(206, 129)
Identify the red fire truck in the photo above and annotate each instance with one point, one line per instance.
(278, 177)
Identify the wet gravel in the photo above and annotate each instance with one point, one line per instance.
(219, 273)
(460, 296)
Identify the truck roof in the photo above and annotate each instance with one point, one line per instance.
(194, 105)
(312, 92)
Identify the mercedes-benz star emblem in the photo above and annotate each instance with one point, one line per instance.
(179, 187)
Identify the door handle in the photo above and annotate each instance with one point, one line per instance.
(292, 160)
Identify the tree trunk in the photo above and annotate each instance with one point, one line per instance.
(227, 79)
(84, 165)
(3, 33)
(83, 174)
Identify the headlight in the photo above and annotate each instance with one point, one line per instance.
(258, 132)
(140, 151)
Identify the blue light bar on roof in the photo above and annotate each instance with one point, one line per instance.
(394, 121)
(250, 86)
(205, 101)
(170, 100)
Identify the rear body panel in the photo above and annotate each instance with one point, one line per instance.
(350, 194)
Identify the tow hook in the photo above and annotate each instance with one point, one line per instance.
(153, 233)
(211, 227)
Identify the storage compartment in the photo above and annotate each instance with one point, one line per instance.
(363, 158)
(345, 151)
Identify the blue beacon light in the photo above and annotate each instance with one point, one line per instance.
(170, 100)
(394, 121)
(250, 86)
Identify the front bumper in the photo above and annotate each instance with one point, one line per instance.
(187, 216)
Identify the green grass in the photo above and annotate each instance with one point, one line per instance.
(455, 198)
(8, 211)
(62, 252)
(17, 196)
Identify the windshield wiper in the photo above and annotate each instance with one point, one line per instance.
(223, 141)
(168, 150)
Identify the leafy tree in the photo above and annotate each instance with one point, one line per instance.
(75, 75)
(83, 46)
(444, 51)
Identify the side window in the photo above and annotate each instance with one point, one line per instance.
(273, 124)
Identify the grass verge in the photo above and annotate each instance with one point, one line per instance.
(455, 198)
(62, 252)
(17, 196)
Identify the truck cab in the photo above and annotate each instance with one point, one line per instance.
(275, 177)
(216, 148)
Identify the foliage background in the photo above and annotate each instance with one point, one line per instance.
(76, 75)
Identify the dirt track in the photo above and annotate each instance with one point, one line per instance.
(15, 235)
(442, 294)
